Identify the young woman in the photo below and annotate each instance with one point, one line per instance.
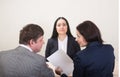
(97, 59)
(62, 39)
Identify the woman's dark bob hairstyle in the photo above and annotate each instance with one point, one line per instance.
(89, 31)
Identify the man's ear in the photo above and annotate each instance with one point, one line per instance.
(31, 42)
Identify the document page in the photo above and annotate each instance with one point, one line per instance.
(61, 59)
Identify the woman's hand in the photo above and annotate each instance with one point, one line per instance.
(58, 70)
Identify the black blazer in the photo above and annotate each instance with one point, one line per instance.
(97, 60)
(52, 46)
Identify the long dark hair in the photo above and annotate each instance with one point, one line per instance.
(90, 31)
(55, 34)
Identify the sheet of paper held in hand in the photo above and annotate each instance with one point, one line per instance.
(61, 59)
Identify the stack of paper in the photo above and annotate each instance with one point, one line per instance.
(61, 59)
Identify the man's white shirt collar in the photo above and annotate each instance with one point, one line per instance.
(27, 47)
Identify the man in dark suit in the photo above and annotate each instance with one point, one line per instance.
(23, 60)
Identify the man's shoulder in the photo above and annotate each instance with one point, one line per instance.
(6, 52)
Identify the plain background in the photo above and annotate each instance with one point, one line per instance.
(14, 14)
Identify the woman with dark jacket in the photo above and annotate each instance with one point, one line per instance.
(62, 39)
(97, 59)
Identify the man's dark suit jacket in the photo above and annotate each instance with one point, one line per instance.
(72, 47)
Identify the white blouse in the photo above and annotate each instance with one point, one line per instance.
(63, 44)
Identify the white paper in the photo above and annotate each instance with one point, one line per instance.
(61, 59)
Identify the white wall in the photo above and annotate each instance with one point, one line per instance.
(14, 14)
